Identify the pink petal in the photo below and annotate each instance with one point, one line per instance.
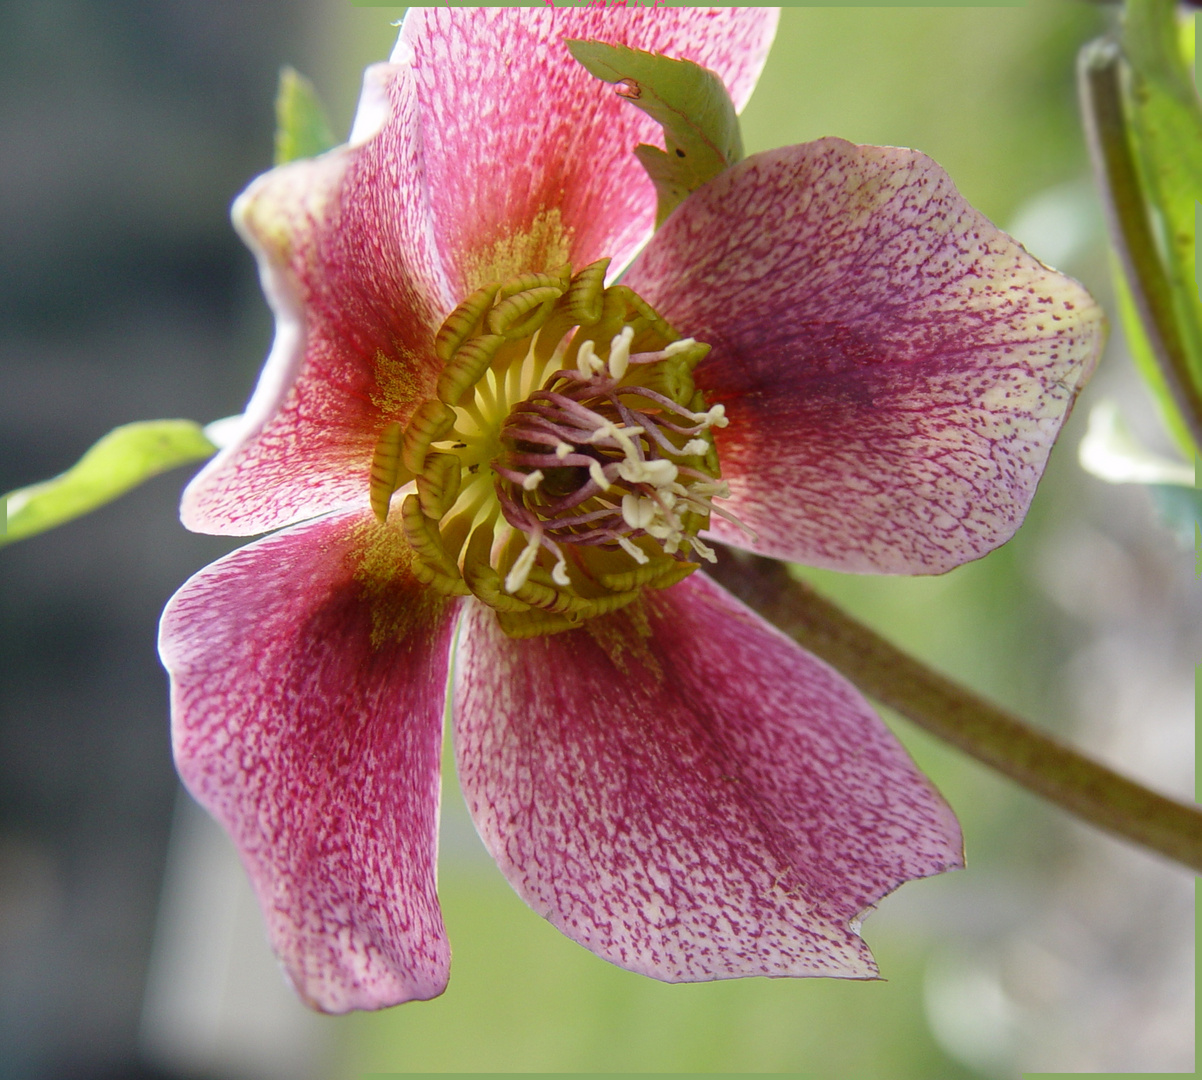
(347, 261)
(895, 369)
(529, 156)
(685, 792)
(308, 675)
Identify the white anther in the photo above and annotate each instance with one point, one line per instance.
(602, 432)
(656, 472)
(635, 552)
(624, 440)
(598, 475)
(695, 447)
(559, 573)
(660, 471)
(522, 566)
(563, 449)
(532, 480)
(637, 512)
(679, 346)
(702, 549)
(588, 363)
(714, 417)
(621, 435)
(619, 352)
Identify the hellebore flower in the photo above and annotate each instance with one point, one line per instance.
(824, 355)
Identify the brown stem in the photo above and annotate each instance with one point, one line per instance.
(993, 736)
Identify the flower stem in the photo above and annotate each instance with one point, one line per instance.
(1117, 176)
(992, 735)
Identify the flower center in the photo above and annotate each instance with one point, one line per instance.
(567, 461)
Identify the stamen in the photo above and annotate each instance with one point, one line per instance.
(655, 472)
(533, 480)
(619, 353)
(703, 549)
(637, 511)
(598, 475)
(559, 572)
(675, 348)
(622, 436)
(713, 417)
(636, 553)
(524, 563)
(587, 360)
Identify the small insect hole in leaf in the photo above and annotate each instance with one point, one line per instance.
(679, 152)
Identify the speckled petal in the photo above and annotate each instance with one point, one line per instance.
(895, 369)
(529, 156)
(308, 677)
(685, 792)
(346, 257)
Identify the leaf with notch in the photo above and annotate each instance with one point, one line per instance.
(690, 102)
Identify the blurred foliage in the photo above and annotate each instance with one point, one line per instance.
(1145, 360)
(301, 127)
(121, 460)
(1165, 121)
(1180, 510)
(989, 93)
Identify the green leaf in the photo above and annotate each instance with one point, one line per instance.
(301, 128)
(701, 129)
(1145, 361)
(121, 460)
(1165, 119)
(1179, 509)
(1162, 313)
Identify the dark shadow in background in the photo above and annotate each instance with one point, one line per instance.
(125, 131)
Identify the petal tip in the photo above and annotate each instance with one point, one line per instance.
(387, 989)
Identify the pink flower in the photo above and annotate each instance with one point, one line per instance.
(666, 778)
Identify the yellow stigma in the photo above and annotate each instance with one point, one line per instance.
(567, 460)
